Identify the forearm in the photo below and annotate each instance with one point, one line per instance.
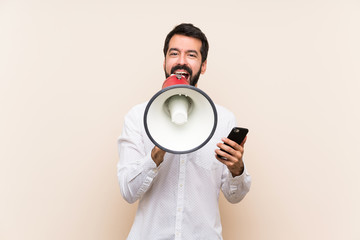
(135, 170)
(236, 188)
(135, 179)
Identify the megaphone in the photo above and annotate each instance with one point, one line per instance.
(180, 118)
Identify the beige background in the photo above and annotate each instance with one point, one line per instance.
(70, 70)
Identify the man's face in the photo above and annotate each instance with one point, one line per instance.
(184, 57)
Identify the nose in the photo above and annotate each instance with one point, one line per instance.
(182, 59)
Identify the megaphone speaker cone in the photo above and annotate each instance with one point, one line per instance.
(180, 119)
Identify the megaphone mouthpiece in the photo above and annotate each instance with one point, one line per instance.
(178, 108)
(175, 79)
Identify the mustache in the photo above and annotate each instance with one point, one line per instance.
(177, 67)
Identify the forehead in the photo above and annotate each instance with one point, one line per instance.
(184, 43)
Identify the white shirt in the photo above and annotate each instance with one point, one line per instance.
(180, 198)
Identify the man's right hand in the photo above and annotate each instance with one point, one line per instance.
(157, 155)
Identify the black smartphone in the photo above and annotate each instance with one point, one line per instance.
(238, 135)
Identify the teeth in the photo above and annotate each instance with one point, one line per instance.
(182, 73)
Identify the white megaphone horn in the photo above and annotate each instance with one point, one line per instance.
(180, 118)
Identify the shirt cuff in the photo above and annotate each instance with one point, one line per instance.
(238, 179)
(150, 166)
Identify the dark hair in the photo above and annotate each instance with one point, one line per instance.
(189, 30)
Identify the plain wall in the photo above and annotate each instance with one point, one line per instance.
(70, 70)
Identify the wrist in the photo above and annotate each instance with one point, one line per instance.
(238, 171)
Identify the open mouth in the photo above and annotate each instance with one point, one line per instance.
(183, 73)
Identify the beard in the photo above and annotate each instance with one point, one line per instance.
(193, 79)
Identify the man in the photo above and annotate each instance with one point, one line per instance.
(178, 193)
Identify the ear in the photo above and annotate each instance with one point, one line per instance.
(203, 67)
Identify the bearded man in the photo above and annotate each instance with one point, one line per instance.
(179, 193)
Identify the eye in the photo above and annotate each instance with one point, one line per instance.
(192, 55)
(173, 53)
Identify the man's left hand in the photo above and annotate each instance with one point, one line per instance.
(233, 159)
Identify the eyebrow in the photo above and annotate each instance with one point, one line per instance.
(188, 51)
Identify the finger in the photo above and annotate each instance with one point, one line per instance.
(234, 150)
(229, 164)
(224, 160)
(224, 156)
(234, 144)
(220, 153)
(231, 143)
(227, 148)
(232, 155)
(243, 142)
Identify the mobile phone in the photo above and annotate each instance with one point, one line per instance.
(237, 134)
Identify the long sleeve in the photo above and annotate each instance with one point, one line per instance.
(235, 188)
(135, 169)
(181, 196)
